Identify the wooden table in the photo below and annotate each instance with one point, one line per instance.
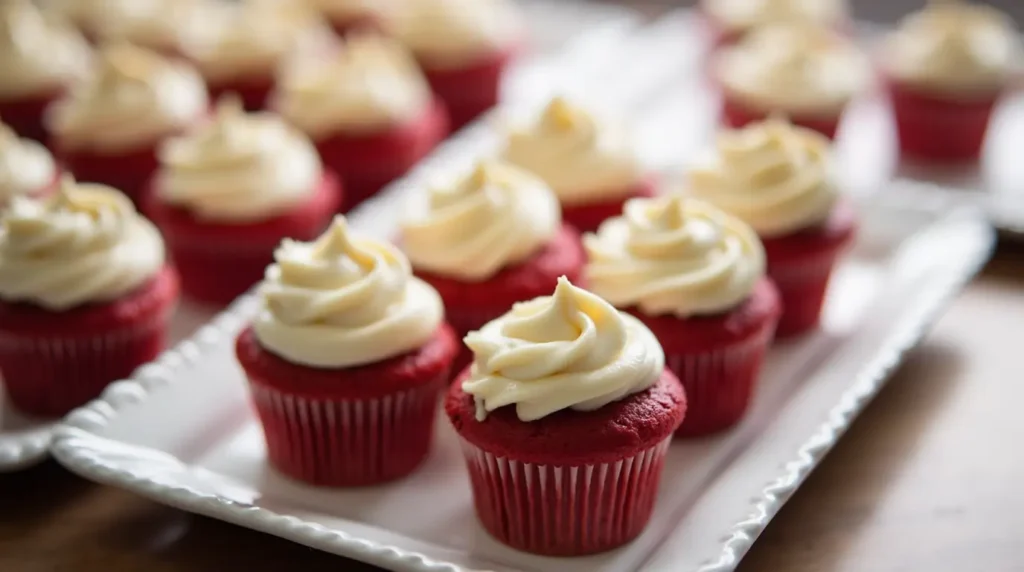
(927, 479)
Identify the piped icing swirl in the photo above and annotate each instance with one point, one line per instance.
(455, 33)
(38, 54)
(239, 167)
(369, 84)
(773, 175)
(343, 301)
(86, 244)
(582, 160)
(742, 15)
(26, 167)
(134, 97)
(955, 47)
(674, 256)
(793, 67)
(470, 229)
(570, 350)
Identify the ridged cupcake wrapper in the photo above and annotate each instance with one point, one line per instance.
(564, 510)
(802, 288)
(720, 383)
(347, 442)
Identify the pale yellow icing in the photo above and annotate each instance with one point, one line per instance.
(86, 244)
(344, 301)
(476, 225)
(455, 33)
(37, 54)
(674, 256)
(26, 167)
(570, 350)
(742, 15)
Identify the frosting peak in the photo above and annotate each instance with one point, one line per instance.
(26, 167)
(37, 54)
(741, 15)
(343, 301)
(454, 33)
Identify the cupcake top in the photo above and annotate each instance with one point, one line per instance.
(239, 167)
(369, 84)
(582, 160)
(344, 301)
(474, 226)
(455, 33)
(26, 167)
(347, 10)
(956, 47)
(570, 350)
(742, 15)
(773, 175)
(37, 53)
(162, 25)
(133, 97)
(674, 256)
(86, 244)
(794, 67)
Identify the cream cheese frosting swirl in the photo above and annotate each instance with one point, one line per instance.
(37, 53)
(496, 217)
(674, 256)
(26, 167)
(370, 84)
(570, 350)
(163, 25)
(344, 301)
(134, 97)
(955, 47)
(582, 160)
(773, 175)
(86, 244)
(793, 67)
(239, 167)
(741, 15)
(455, 33)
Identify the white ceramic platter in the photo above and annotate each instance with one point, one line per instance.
(181, 431)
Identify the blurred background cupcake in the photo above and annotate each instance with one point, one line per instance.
(159, 25)
(728, 21)
(346, 16)
(26, 168)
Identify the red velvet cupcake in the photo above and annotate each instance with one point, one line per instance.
(488, 240)
(346, 361)
(39, 59)
(26, 168)
(464, 48)
(776, 178)
(85, 296)
(694, 276)
(946, 68)
(163, 26)
(590, 166)
(228, 192)
(808, 74)
(565, 418)
(727, 22)
(368, 134)
(108, 129)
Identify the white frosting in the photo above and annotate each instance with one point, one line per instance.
(345, 10)
(582, 160)
(794, 68)
(455, 33)
(370, 84)
(134, 97)
(163, 25)
(674, 256)
(86, 244)
(569, 350)
(344, 301)
(773, 175)
(26, 167)
(742, 15)
(472, 228)
(37, 54)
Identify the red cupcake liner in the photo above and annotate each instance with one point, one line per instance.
(562, 510)
(940, 130)
(471, 90)
(737, 115)
(25, 114)
(588, 217)
(55, 362)
(252, 91)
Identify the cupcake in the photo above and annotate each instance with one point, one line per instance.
(695, 276)
(160, 25)
(26, 168)
(464, 47)
(487, 240)
(108, 128)
(227, 192)
(565, 417)
(368, 110)
(591, 166)
(730, 20)
(346, 360)
(347, 16)
(946, 67)
(807, 73)
(776, 177)
(85, 296)
(40, 58)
